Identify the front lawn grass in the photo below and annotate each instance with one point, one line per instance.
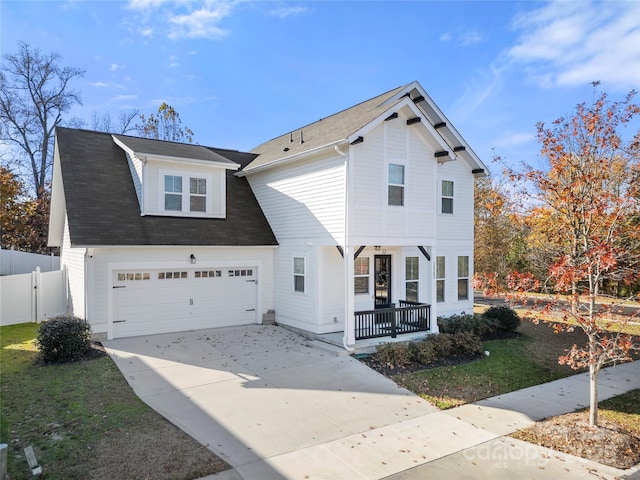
(84, 421)
(512, 364)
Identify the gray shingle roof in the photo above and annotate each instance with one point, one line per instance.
(171, 149)
(325, 131)
(103, 209)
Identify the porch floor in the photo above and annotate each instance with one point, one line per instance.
(369, 345)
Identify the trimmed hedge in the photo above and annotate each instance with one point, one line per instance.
(63, 339)
(503, 317)
(477, 324)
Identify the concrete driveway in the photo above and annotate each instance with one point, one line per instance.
(276, 405)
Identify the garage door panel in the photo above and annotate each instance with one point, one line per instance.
(161, 301)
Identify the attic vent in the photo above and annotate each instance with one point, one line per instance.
(392, 116)
(357, 140)
(461, 148)
(418, 99)
(442, 153)
(440, 125)
(411, 121)
(301, 138)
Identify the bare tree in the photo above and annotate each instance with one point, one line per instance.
(122, 125)
(35, 92)
(164, 125)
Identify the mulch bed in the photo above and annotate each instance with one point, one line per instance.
(608, 443)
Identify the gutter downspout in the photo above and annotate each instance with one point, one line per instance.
(347, 252)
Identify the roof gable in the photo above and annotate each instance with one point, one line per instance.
(345, 126)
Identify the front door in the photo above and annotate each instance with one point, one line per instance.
(383, 280)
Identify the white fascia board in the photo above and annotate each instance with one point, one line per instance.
(406, 102)
(144, 157)
(456, 137)
(291, 158)
(58, 204)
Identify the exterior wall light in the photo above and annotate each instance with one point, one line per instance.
(192, 257)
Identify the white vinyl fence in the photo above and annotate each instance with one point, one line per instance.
(14, 262)
(32, 297)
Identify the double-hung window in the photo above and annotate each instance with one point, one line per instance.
(440, 276)
(447, 196)
(411, 278)
(361, 275)
(463, 278)
(173, 193)
(198, 194)
(396, 184)
(298, 274)
(185, 194)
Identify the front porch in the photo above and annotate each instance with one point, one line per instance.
(410, 321)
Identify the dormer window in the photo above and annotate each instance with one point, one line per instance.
(173, 193)
(198, 194)
(185, 194)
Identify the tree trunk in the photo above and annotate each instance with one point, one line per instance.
(593, 395)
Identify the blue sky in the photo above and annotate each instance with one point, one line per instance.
(242, 72)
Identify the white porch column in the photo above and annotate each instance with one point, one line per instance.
(349, 338)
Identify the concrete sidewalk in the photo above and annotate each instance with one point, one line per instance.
(275, 405)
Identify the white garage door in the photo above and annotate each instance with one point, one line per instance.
(162, 300)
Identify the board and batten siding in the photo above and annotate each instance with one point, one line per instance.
(304, 200)
(73, 259)
(392, 142)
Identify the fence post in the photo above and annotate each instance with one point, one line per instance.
(393, 321)
(37, 294)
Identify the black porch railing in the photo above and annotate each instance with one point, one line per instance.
(408, 317)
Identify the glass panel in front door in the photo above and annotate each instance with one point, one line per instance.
(383, 280)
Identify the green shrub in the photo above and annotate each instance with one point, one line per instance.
(466, 343)
(394, 354)
(505, 318)
(442, 344)
(476, 324)
(63, 339)
(422, 352)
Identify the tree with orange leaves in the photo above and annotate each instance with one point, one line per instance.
(586, 208)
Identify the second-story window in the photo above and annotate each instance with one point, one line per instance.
(396, 184)
(198, 194)
(173, 193)
(447, 196)
(185, 194)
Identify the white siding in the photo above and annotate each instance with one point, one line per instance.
(371, 217)
(135, 167)
(304, 200)
(103, 260)
(73, 259)
(154, 186)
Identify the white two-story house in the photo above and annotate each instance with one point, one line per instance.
(360, 223)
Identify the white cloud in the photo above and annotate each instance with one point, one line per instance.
(284, 12)
(445, 37)
(478, 93)
(98, 84)
(575, 43)
(201, 23)
(114, 66)
(178, 19)
(469, 38)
